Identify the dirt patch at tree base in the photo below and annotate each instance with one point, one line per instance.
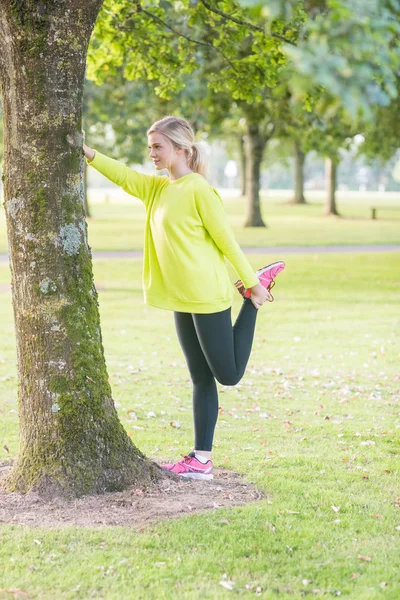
(133, 507)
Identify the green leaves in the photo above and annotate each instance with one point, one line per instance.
(350, 47)
(166, 42)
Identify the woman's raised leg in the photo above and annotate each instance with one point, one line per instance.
(227, 349)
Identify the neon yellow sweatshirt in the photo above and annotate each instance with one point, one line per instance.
(186, 238)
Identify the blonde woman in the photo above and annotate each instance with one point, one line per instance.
(187, 237)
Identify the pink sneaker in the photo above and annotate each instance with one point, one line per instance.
(266, 276)
(191, 467)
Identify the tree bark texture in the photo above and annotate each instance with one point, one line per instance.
(71, 440)
(85, 191)
(331, 165)
(243, 164)
(256, 143)
(299, 161)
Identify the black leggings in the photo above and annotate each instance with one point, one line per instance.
(214, 350)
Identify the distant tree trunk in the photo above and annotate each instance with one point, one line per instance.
(331, 165)
(243, 164)
(71, 440)
(299, 160)
(85, 190)
(256, 143)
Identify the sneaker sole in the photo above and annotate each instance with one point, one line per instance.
(203, 476)
(275, 264)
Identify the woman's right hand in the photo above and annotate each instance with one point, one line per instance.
(259, 295)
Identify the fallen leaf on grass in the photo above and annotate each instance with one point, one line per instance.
(383, 585)
(227, 584)
(6, 448)
(175, 424)
(16, 592)
(364, 558)
(367, 443)
(272, 527)
(355, 575)
(257, 588)
(335, 508)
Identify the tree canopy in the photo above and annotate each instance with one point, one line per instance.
(349, 47)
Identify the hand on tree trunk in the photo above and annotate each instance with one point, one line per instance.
(89, 152)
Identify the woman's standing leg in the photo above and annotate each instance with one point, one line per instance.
(226, 348)
(205, 395)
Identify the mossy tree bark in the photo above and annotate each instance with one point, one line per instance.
(85, 191)
(331, 165)
(256, 144)
(299, 161)
(71, 440)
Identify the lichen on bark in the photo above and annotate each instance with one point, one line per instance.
(71, 239)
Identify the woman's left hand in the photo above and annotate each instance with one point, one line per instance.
(259, 295)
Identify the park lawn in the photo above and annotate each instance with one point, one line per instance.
(314, 423)
(118, 224)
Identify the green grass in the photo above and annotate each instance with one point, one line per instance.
(118, 225)
(314, 423)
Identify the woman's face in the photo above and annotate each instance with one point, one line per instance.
(161, 151)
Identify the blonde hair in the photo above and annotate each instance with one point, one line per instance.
(178, 131)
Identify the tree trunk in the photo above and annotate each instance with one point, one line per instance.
(255, 147)
(71, 440)
(243, 164)
(331, 165)
(85, 190)
(299, 160)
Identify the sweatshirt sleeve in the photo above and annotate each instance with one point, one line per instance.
(212, 213)
(137, 184)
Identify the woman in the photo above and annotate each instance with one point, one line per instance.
(187, 236)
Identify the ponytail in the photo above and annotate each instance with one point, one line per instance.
(197, 160)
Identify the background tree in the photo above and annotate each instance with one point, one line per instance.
(71, 440)
(297, 125)
(382, 134)
(329, 139)
(350, 48)
(228, 45)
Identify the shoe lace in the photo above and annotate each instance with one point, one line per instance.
(271, 285)
(186, 458)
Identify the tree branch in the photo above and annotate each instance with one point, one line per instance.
(247, 24)
(186, 37)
